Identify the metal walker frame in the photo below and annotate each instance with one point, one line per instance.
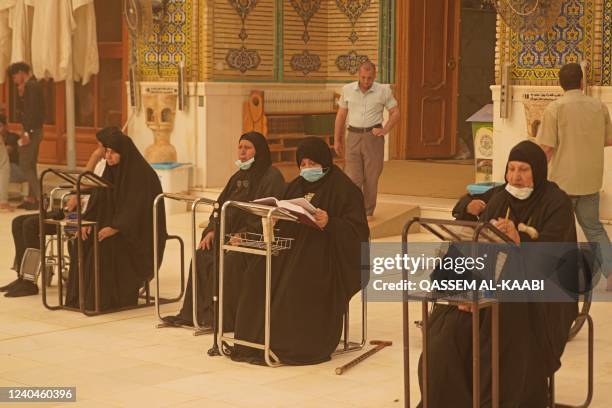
(440, 229)
(268, 247)
(195, 203)
(271, 214)
(76, 180)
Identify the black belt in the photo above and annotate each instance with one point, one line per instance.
(364, 130)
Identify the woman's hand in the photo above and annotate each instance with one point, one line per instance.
(321, 218)
(106, 232)
(207, 241)
(100, 152)
(85, 231)
(465, 307)
(71, 204)
(508, 228)
(235, 240)
(475, 207)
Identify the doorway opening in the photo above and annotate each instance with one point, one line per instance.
(445, 65)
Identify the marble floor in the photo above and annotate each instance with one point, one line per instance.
(123, 360)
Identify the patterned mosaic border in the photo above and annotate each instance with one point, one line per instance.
(160, 55)
(585, 37)
(606, 43)
(570, 40)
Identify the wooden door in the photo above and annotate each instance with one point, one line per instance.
(427, 61)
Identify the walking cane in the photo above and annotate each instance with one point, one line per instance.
(380, 344)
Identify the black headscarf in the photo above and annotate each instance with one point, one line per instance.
(110, 137)
(250, 184)
(529, 152)
(532, 154)
(263, 159)
(315, 149)
(243, 185)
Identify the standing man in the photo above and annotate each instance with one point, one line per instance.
(363, 102)
(31, 111)
(574, 131)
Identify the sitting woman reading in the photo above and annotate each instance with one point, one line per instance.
(312, 282)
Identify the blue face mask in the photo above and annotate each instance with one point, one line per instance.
(312, 174)
(246, 164)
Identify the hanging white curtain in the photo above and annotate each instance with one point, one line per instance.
(52, 29)
(84, 41)
(64, 34)
(20, 24)
(5, 37)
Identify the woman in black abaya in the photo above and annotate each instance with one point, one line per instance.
(532, 335)
(255, 178)
(314, 280)
(125, 227)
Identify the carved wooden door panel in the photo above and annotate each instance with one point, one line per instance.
(431, 78)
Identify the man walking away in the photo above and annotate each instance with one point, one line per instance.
(574, 131)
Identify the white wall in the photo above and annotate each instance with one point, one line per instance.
(508, 132)
(207, 133)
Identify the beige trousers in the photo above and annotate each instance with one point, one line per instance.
(365, 154)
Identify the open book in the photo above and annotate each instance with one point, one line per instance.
(300, 207)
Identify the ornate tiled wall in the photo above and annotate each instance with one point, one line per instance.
(576, 36)
(173, 41)
(328, 39)
(270, 40)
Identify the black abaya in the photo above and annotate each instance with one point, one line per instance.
(532, 335)
(259, 181)
(270, 184)
(314, 280)
(126, 258)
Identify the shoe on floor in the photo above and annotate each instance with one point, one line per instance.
(177, 321)
(29, 205)
(25, 288)
(10, 285)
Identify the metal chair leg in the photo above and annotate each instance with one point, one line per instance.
(347, 345)
(590, 375)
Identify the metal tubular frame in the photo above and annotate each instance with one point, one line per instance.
(347, 345)
(270, 214)
(49, 244)
(75, 179)
(476, 304)
(274, 213)
(590, 367)
(195, 203)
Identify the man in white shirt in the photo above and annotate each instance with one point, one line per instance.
(574, 131)
(362, 103)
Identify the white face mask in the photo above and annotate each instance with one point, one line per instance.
(522, 193)
(245, 165)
